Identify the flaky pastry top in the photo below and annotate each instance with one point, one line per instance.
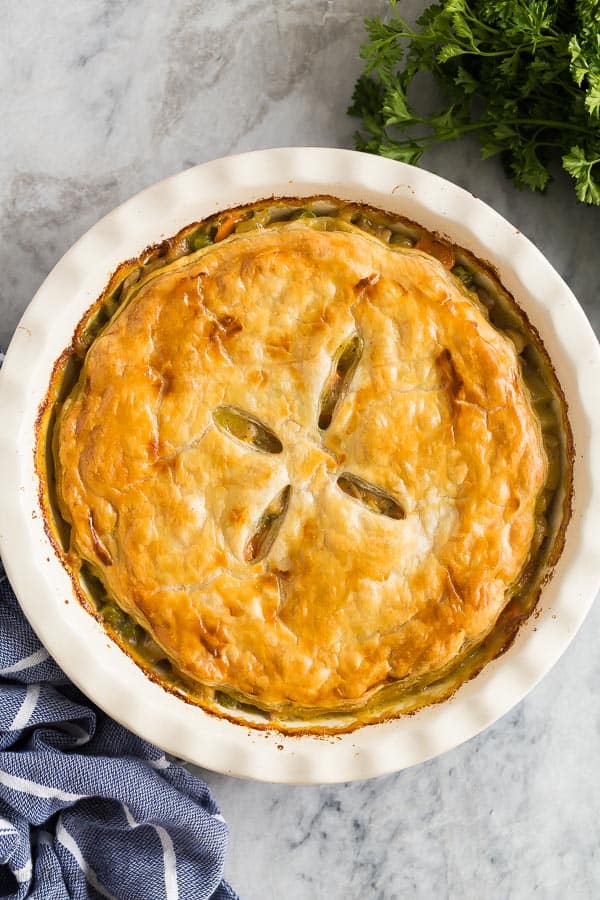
(166, 500)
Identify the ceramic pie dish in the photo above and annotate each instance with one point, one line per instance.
(78, 641)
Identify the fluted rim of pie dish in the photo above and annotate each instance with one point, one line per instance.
(108, 676)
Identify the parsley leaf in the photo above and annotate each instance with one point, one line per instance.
(522, 75)
(581, 168)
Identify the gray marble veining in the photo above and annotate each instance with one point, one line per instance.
(103, 97)
(510, 816)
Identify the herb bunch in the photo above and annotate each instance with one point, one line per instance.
(523, 75)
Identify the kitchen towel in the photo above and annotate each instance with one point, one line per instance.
(88, 809)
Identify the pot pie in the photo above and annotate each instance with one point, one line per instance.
(308, 463)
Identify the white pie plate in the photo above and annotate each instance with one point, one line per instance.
(76, 640)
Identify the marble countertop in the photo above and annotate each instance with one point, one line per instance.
(100, 100)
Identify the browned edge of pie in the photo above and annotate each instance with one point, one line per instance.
(60, 385)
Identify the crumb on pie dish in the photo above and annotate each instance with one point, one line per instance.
(308, 463)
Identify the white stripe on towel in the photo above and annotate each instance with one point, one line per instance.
(6, 827)
(130, 820)
(169, 858)
(161, 763)
(80, 734)
(171, 889)
(27, 708)
(28, 662)
(25, 786)
(24, 873)
(69, 842)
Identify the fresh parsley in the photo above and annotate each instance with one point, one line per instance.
(523, 75)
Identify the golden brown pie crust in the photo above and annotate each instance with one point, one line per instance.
(163, 502)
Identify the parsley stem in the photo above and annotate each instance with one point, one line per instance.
(545, 123)
(449, 133)
(509, 51)
(469, 15)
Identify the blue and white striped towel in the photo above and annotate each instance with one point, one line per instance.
(86, 808)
